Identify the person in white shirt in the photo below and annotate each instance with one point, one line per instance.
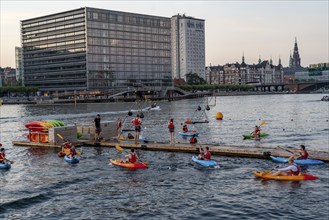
(291, 170)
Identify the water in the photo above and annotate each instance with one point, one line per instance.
(42, 186)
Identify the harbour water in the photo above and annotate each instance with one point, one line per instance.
(40, 185)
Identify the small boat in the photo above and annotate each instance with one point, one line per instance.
(269, 176)
(71, 160)
(7, 165)
(299, 162)
(189, 133)
(204, 163)
(248, 136)
(137, 165)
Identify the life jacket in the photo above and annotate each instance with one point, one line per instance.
(73, 152)
(305, 156)
(67, 145)
(171, 125)
(132, 158)
(207, 155)
(294, 173)
(185, 129)
(136, 122)
(257, 130)
(193, 140)
(2, 156)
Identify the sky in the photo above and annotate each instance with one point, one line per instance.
(265, 29)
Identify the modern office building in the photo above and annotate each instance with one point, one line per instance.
(188, 46)
(19, 65)
(96, 49)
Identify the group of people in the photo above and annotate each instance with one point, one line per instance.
(67, 146)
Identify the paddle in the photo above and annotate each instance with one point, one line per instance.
(61, 137)
(269, 171)
(287, 150)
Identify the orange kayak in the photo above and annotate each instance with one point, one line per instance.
(137, 165)
(269, 176)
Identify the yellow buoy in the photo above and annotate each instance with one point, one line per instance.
(219, 116)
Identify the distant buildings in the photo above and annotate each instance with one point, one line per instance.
(97, 49)
(188, 46)
(241, 74)
(7, 77)
(316, 72)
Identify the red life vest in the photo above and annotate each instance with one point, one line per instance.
(171, 125)
(257, 130)
(119, 124)
(67, 146)
(305, 156)
(2, 156)
(193, 140)
(132, 158)
(185, 129)
(72, 152)
(207, 156)
(136, 121)
(294, 173)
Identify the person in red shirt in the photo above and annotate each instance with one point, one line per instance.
(132, 156)
(73, 152)
(137, 122)
(171, 128)
(201, 155)
(303, 153)
(3, 159)
(193, 140)
(207, 154)
(185, 129)
(256, 132)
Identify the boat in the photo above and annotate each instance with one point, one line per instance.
(248, 136)
(268, 176)
(299, 162)
(71, 160)
(7, 165)
(204, 163)
(189, 133)
(156, 108)
(137, 165)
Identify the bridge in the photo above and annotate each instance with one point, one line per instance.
(298, 86)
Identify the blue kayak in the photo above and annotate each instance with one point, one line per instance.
(204, 163)
(71, 160)
(6, 165)
(299, 162)
(188, 133)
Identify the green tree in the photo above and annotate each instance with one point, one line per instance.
(194, 79)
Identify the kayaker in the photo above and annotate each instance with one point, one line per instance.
(256, 132)
(119, 127)
(303, 154)
(130, 136)
(291, 170)
(98, 130)
(2, 155)
(201, 155)
(137, 122)
(73, 152)
(153, 105)
(132, 156)
(171, 128)
(207, 154)
(185, 128)
(193, 140)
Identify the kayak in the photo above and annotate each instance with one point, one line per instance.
(287, 178)
(6, 165)
(137, 165)
(299, 162)
(248, 136)
(189, 133)
(71, 160)
(154, 108)
(204, 163)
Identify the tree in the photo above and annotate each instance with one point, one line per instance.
(194, 79)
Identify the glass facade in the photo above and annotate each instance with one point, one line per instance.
(54, 51)
(96, 49)
(125, 49)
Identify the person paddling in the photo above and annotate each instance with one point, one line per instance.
(207, 154)
(201, 155)
(256, 132)
(66, 146)
(132, 156)
(73, 152)
(185, 128)
(303, 154)
(291, 170)
(3, 159)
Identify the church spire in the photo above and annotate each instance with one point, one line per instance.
(271, 61)
(280, 61)
(290, 60)
(295, 56)
(259, 60)
(242, 57)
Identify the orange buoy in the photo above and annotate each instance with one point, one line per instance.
(219, 116)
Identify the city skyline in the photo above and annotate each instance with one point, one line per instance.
(232, 28)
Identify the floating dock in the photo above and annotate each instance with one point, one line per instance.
(261, 152)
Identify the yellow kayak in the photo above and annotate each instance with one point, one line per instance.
(269, 176)
(137, 165)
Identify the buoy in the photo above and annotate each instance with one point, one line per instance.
(130, 113)
(207, 108)
(199, 108)
(219, 116)
(141, 115)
